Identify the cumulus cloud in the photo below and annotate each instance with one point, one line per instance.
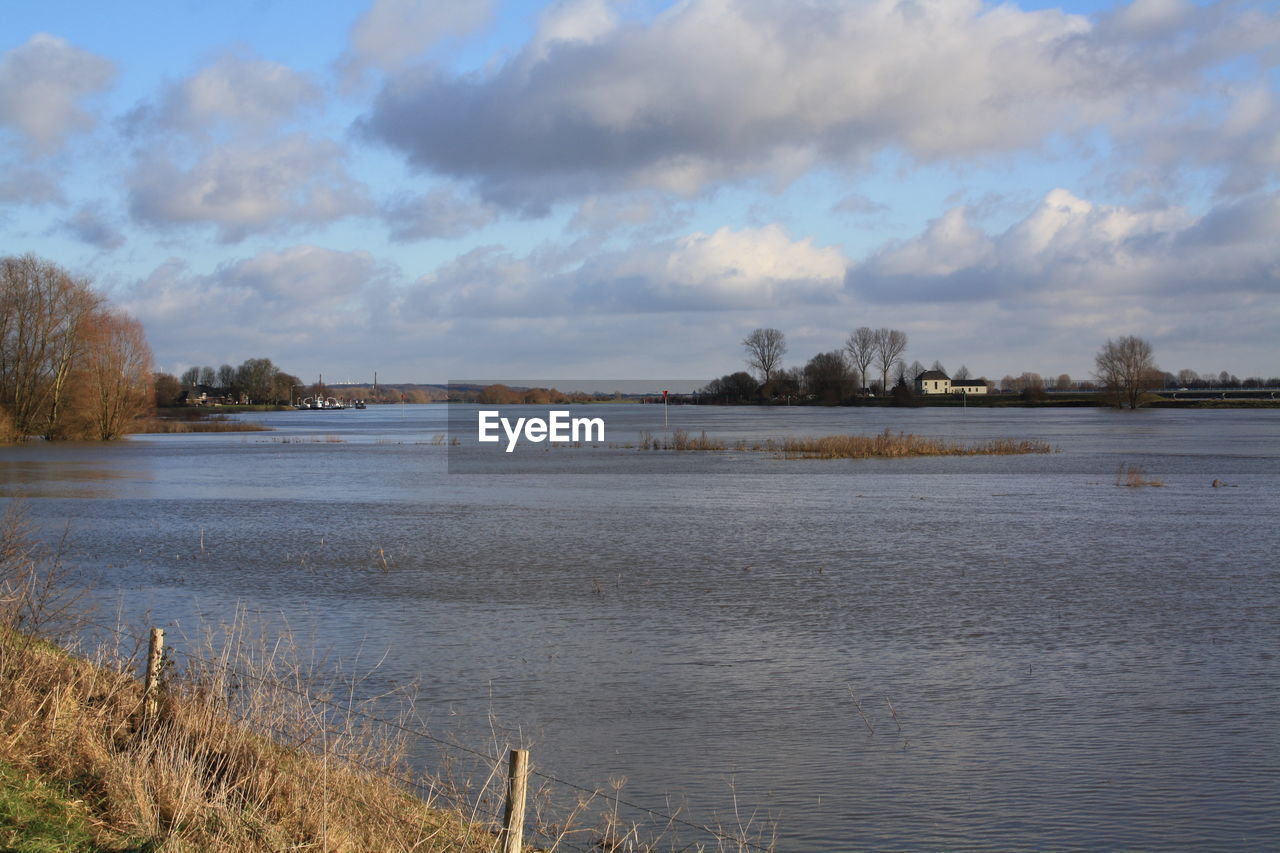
(724, 270)
(236, 90)
(439, 213)
(301, 299)
(273, 186)
(43, 86)
(393, 32)
(1079, 254)
(712, 90)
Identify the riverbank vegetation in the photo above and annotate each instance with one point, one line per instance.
(885, 445)
(239, 756)
(71, 367)
(209, 423)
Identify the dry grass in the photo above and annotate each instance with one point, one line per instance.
(250, 749)
(246, 753)
(891, 445)
(679, 440)
(215, 423)
(1133, 477)
(886, 445)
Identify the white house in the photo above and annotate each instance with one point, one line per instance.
(937, 382)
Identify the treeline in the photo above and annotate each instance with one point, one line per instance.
(505, 395)
(71, 366)
(870, 364)
(255, 381)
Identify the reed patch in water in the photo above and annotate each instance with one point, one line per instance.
(216, 423)
(885, 445)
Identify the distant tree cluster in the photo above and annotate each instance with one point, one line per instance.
(505, 395)
(1190, 379)
(71, 367)
(256, 380)
(838, 376)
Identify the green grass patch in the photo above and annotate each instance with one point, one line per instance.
(36, 817)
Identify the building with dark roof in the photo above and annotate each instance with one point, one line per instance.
(937, 382)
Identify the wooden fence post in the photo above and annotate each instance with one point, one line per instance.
(151, 689)
(512, 835)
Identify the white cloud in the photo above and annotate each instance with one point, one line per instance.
(43, 84)
(287, 305)
(715, 90)
(573, 21)
(392, 32)
(1082, 257)
(725, 270)
(237, 90)
(242, 190)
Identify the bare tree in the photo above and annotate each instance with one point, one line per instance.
(890, 345)
(861, 347)
(962, 373)
(43, 310)
(1064, 382)
(937, 365)
(115, 371)
(765, 349)
(226, 379)
(1127, 368)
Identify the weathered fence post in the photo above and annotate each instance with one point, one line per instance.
(150, 703)
(513, 816)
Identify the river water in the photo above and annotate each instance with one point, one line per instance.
(961, 653)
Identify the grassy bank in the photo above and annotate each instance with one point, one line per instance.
(885, 445)
(240, 755)
(82, 771)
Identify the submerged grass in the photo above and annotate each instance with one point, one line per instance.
(1133, 477)
(214, 423)
(885, 445)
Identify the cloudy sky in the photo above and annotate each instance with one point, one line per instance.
(440, 189)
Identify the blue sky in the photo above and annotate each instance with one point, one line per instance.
(594, 188)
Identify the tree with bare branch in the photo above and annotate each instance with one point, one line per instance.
(890, 345)
(765, 349)
(115, 375)
(43, 312)
(861, 347)
(1126, 366)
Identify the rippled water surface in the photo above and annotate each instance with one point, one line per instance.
(1043, 659)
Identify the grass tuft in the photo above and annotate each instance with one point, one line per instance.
(1133, 477)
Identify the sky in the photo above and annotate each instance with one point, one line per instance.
(451, 190)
